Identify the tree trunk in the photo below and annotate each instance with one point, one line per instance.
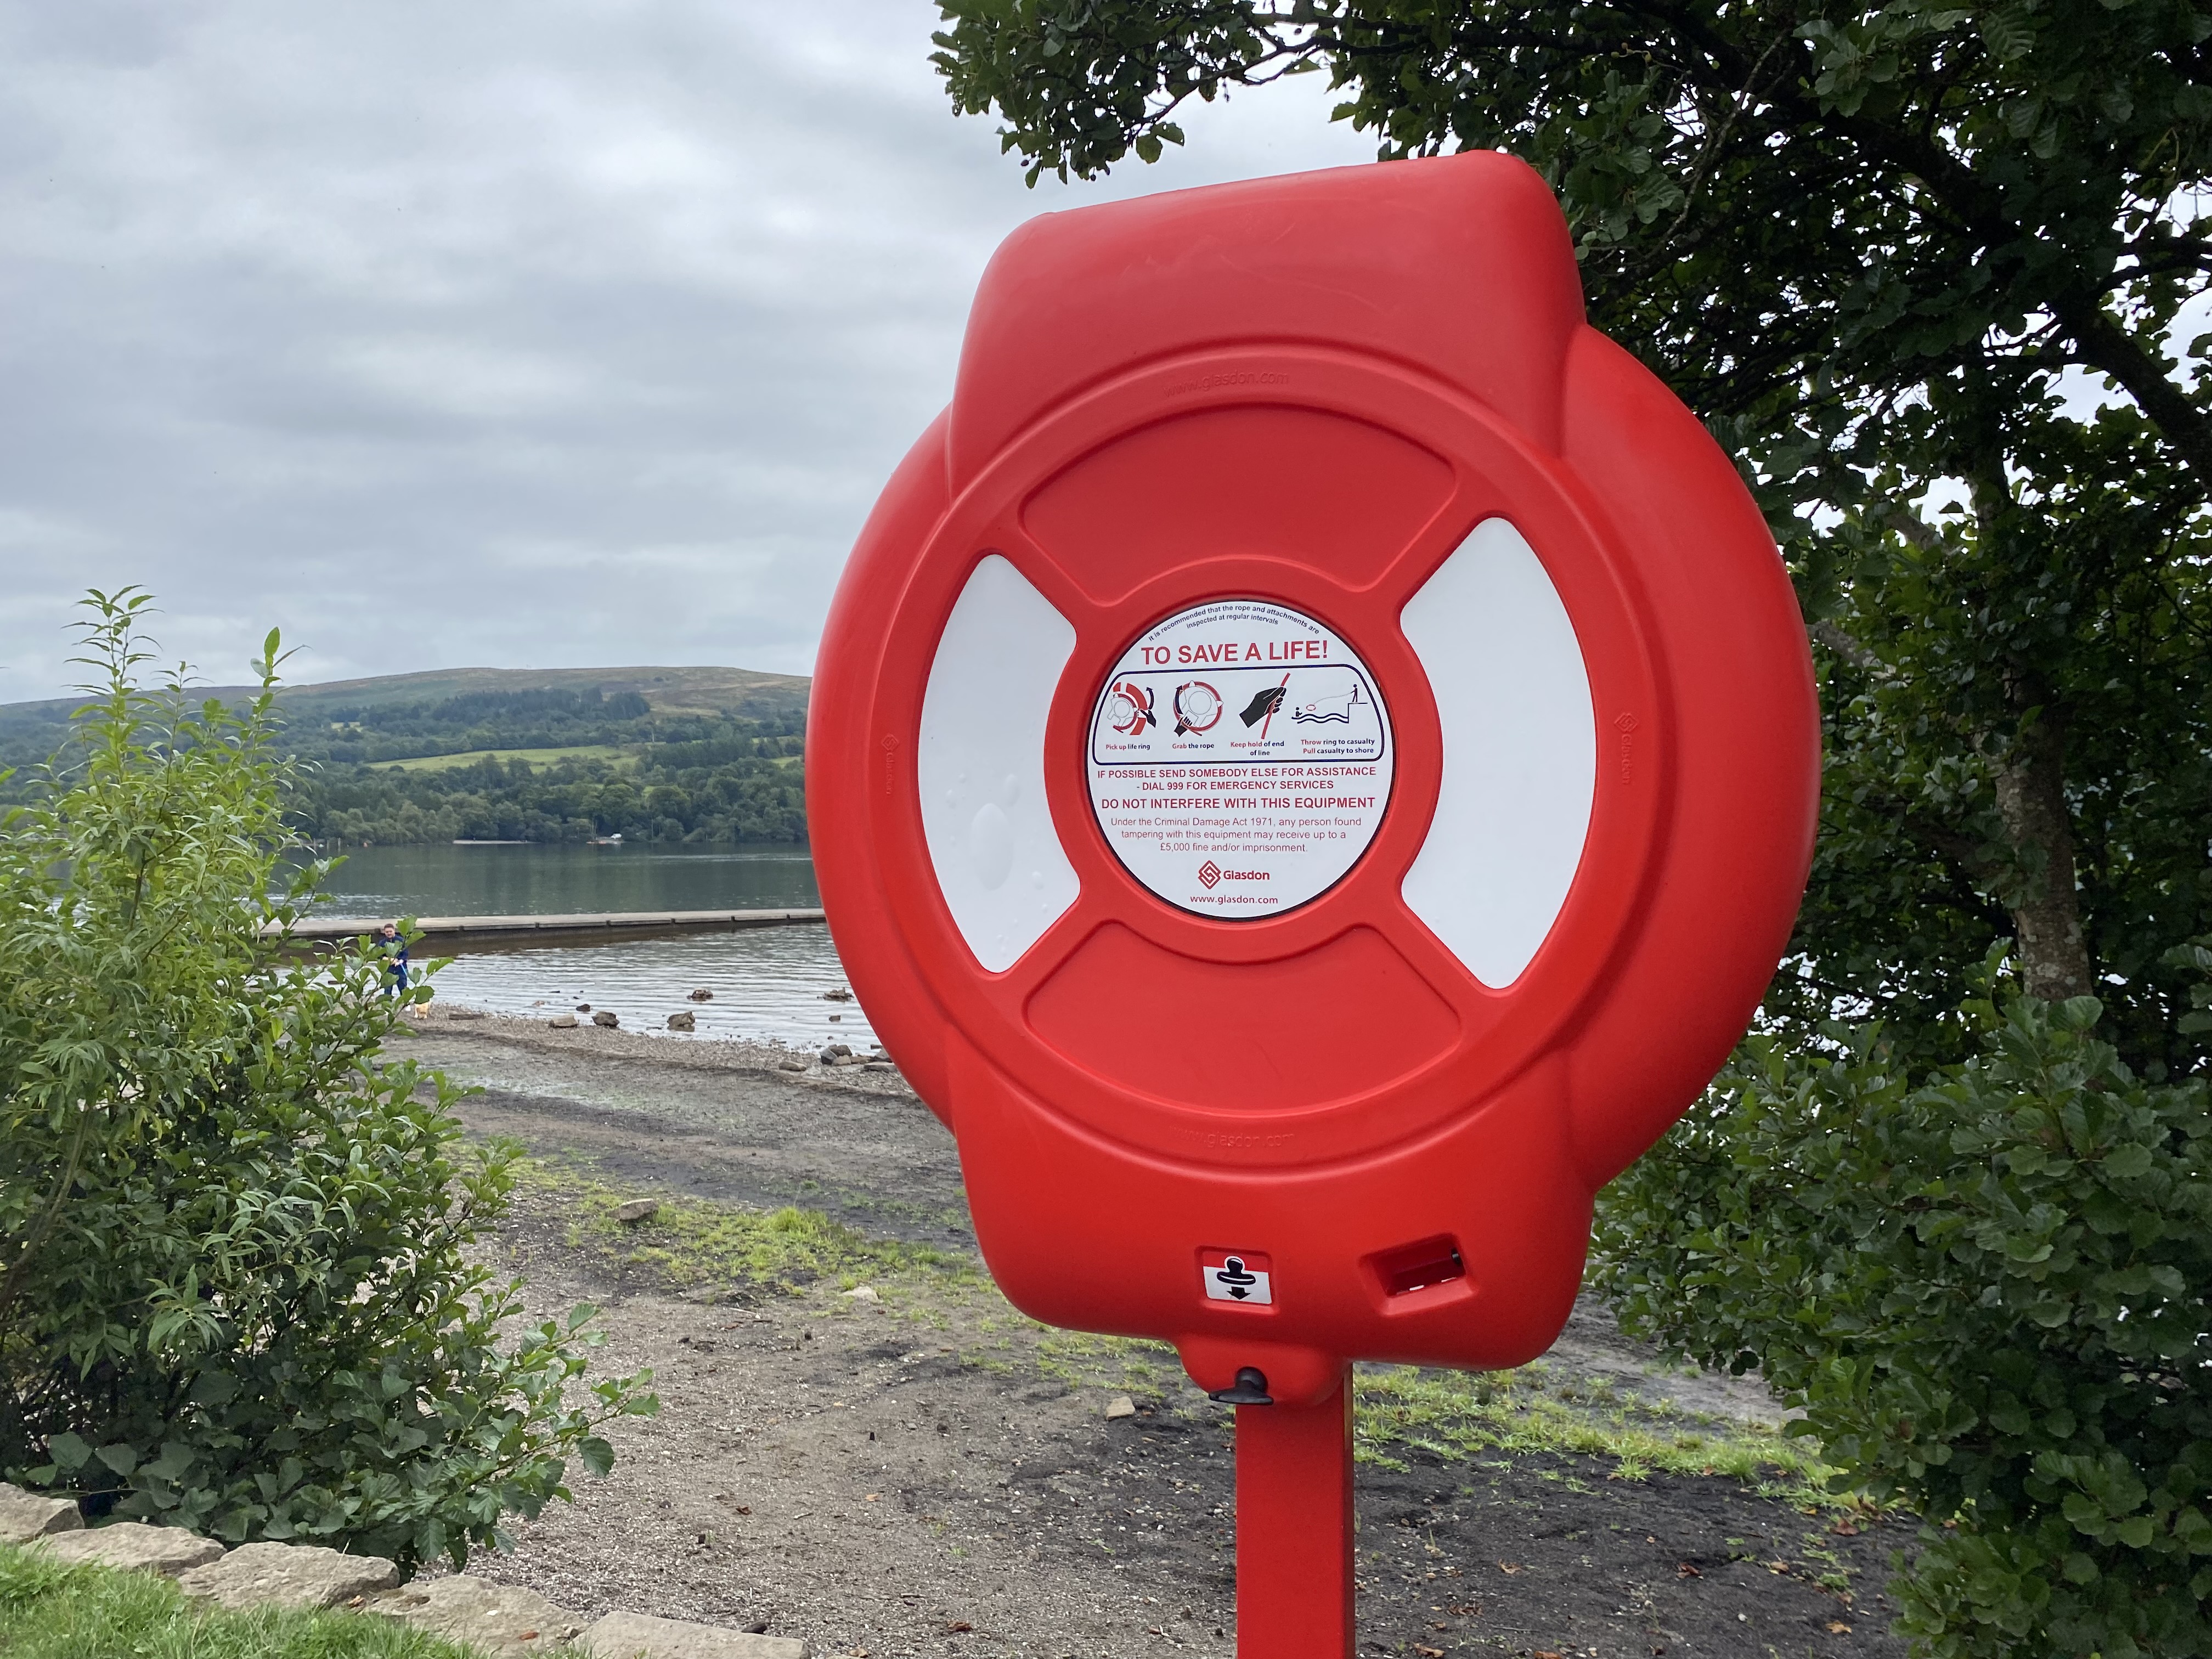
(2031, 796)
(2046, 911)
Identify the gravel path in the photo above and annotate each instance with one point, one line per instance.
(929, 1473)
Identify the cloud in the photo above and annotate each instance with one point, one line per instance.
(510, 333)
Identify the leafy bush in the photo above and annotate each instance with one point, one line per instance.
(1988, 1290)
(238, 1294)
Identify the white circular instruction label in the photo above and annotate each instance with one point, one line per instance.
(1240, 759)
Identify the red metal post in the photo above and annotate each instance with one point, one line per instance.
(1294, 1528)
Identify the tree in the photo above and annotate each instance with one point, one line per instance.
(1919, 266)
(1878, 248)
(237, 1284)
(1985, 1286)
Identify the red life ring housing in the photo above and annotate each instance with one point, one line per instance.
(1500, 866)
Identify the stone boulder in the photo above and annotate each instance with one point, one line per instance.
(702, 995)
(606, 1018)
(25, 1515)
(501, 1619)
(685, 1020)
(637, 1209)
(640, 1636)
(133, 1546)
(287, 1576)
(563, 1022)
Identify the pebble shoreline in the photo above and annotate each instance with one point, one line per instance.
(800, 1065)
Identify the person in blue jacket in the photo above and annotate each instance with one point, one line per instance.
(395, 948)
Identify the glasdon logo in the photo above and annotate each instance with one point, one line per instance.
(1247, 875)
(1208, 873)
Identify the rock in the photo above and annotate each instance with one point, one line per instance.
(606, 1018)
(1119, 1407)
(835, 1051)
(842, 994)
(795, 1064)
(834, 1019)
(287, 1576)
(862, 1293)
(464, 1014)
(134, 1546)
(685, 1020)
(25, 1515)
(703, 996)
(877, 1066)
(501, 1620)
(563, 1022)
(639, 1636)
(637, 1209)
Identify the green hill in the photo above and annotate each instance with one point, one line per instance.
(446, 711)
(689, 754)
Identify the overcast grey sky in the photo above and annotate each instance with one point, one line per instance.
(562, 333)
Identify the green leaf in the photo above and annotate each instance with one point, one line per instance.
(2128, 1163)
(69, 1452)
(176, 1460)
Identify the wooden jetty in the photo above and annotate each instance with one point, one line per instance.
(466, 935)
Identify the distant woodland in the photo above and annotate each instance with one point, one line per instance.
(554, 757)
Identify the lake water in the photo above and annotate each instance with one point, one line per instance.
(768, 981)
(538, 881)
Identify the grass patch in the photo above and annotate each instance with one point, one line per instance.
(48, 1611)
(1084, 1359)
(1453, 1415)
(605, 752)
(697, 1243)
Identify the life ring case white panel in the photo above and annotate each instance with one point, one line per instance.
(1520, 740)
(980, 765)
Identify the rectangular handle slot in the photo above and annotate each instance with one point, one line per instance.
(1418, 1265)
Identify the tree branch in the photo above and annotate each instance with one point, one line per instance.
(2110, 349)
(1828, 634)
